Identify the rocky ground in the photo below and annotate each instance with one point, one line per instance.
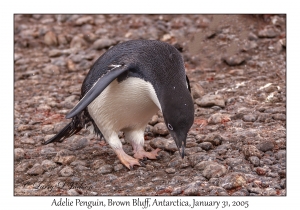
(237, 145)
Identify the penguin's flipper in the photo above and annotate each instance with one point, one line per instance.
(97, 88)
(67, 131)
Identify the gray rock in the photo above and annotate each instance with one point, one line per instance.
(232, 162)
(160, 129)
(279, 116)
(211, 100)
(19, 153)
(26, 140)
(283, 183)
(254, 160)
(84, 20)
(268, 32)
(234, 60)
(218, 118)
(214, 170)
(48, 165)
(37, 169)
(66, 171)
(77, 42)
(103, 43)
(48, 129)
(197, 90)
(51, 69)
(55, 53)
(23, 167)
(255, 190)
(118, 167)
(73, 192)
(250, 150)
(249, 118)
(164, 144)
(244, 168)
(105, 169)
(242, 192)
(217, 191)
(170, 170)
(197, 157)
(213, 138)
(232, 180)
(270, 192)
(206, 145)
(48, 151)
(281, 154)
(265, 146)
(192, 189)
(78, 144)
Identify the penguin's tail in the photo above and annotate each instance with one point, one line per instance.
(72, 128)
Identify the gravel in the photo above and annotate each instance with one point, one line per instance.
(236, 147)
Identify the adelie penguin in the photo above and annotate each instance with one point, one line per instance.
(124, 88)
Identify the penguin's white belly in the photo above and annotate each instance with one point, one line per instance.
(125, 105)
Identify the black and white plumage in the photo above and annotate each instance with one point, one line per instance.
(124, 88)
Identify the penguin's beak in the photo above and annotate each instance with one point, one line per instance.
(180, 140)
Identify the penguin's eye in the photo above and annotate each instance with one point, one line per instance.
(170, 127)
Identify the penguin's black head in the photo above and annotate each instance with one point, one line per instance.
(178, 113)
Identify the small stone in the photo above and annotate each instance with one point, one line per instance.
(48, 165)
(62, 40)
(26, 140)
(164, 144)
(234, 60)
(213, 170)
(249, 118)
(51, 69)
(278, 116)
(265, 146)
(170, 170)
(19, 153)
(237, 72)
(78, 144)
(197, 90)
(37, 169)
(197, 157)
(73, 192)
(66, 171)
(232, 162)
(218, 118)
(65, 160)
(118, 167)
(97, 164)
(77, 42)
(84, 20)
(48, 151)
(23, 167)
(54, 53)
(50, 38)
(211, 100)
(254, 160)
(24, 128)
(161, 129)
(242, 192)
(267, 32)
(255, 190)
(232, 181)
(103, 43)
(281, 154)
(250, 150)
(48, 129)
(244, 168)
(206, 145)
(215, 139)
(283, 183)
(217, 191)
(270, 192)
(105, 169)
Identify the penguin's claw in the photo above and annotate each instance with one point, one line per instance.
(127, 160)
(142, 154)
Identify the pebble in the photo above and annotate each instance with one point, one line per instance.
(249, 118)
(170, 170)
(54, 53)
(48, 165)
(73, 192)
(242, 192)
(250, 150)
(118, 167)
(197, 90)
(244, 168)
(48, 129)
(24, 128)
(197, 157)
(160, 129)
(103, 43)
(213, 138)
(164, 144)
(232, 180)
(211, 100)
(217, 191)
(23, 167)
(213, 170)
(50, 38)
(37, 169)
(51, 69)
(267, 32)
(65, 160)
(255, 190)
(254, 160)
(105, 169)
(84, 20)
(66, 171)
(78, 144)
(234, 60)
(281, 154)
(232, 162)
(46, 150)
(218, 118)
(206, 145)
(26, 140)
(19, 153)
(265, 146)
(62, 40)
(153, 120)
(77, 42)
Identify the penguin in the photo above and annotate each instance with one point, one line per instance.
(124, 88)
